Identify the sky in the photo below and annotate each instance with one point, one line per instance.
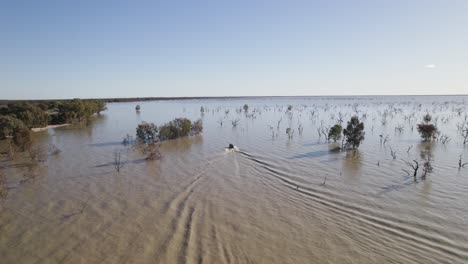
(101, 49)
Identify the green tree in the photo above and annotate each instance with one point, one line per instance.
(9, 125)
(16, 131)
(426, 130)
(30, 114)
(179, 127)
(147, 133)
(354, 133)
(335, 132)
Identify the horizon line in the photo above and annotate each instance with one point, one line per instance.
(162, 98)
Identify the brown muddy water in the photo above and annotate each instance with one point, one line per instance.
(276, 200)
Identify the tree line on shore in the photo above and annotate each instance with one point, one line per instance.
(17, 118)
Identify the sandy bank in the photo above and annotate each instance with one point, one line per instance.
(38, 129)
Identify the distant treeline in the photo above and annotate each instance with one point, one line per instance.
(20, 115)
(131, 99)
(115, 100)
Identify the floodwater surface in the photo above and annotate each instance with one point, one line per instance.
(275, 200)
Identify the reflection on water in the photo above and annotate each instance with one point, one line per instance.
(276, 200)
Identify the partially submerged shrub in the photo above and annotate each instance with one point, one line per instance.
(179, 127)
(427, 131)
(22, 138)
(77, 110)
(427, 118)
(147, 132)
(335, 132)
(9, 126)
(197, 127)
(354, 133)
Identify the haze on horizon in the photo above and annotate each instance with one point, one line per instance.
(95, 49)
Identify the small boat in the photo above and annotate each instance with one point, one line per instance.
(231, 148)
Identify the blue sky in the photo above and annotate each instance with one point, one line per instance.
(67, 49)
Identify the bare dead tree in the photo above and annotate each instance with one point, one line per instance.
(325, 131)
(235, 122)
(393, 153)
(118, 163)
(300, 129)
(278, 124)
(415, 168)
(444, 139)
(460, 163)
(324, 181)
(399, 128)
(78, 212)
(340, 117)
(409, 149)
(465, 136)
(386, 139)
(290, 132)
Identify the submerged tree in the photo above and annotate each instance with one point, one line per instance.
(426, 130)
(147, 132)
(354, 133)
(118, 162)
(197, 127)
(335, 132)
(16, 133)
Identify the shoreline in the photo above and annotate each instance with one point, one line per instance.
(39, 129)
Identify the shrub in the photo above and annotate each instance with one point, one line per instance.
(9, 125)
(30, 114)
(15, 129)
(197, 127)
(246, 108)
(335, 132)
(354, 132)
(78, 109)
(179, 127)
(427, 118)
(22, 138)
(99, 106)
(147, 132)
(427, 131)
